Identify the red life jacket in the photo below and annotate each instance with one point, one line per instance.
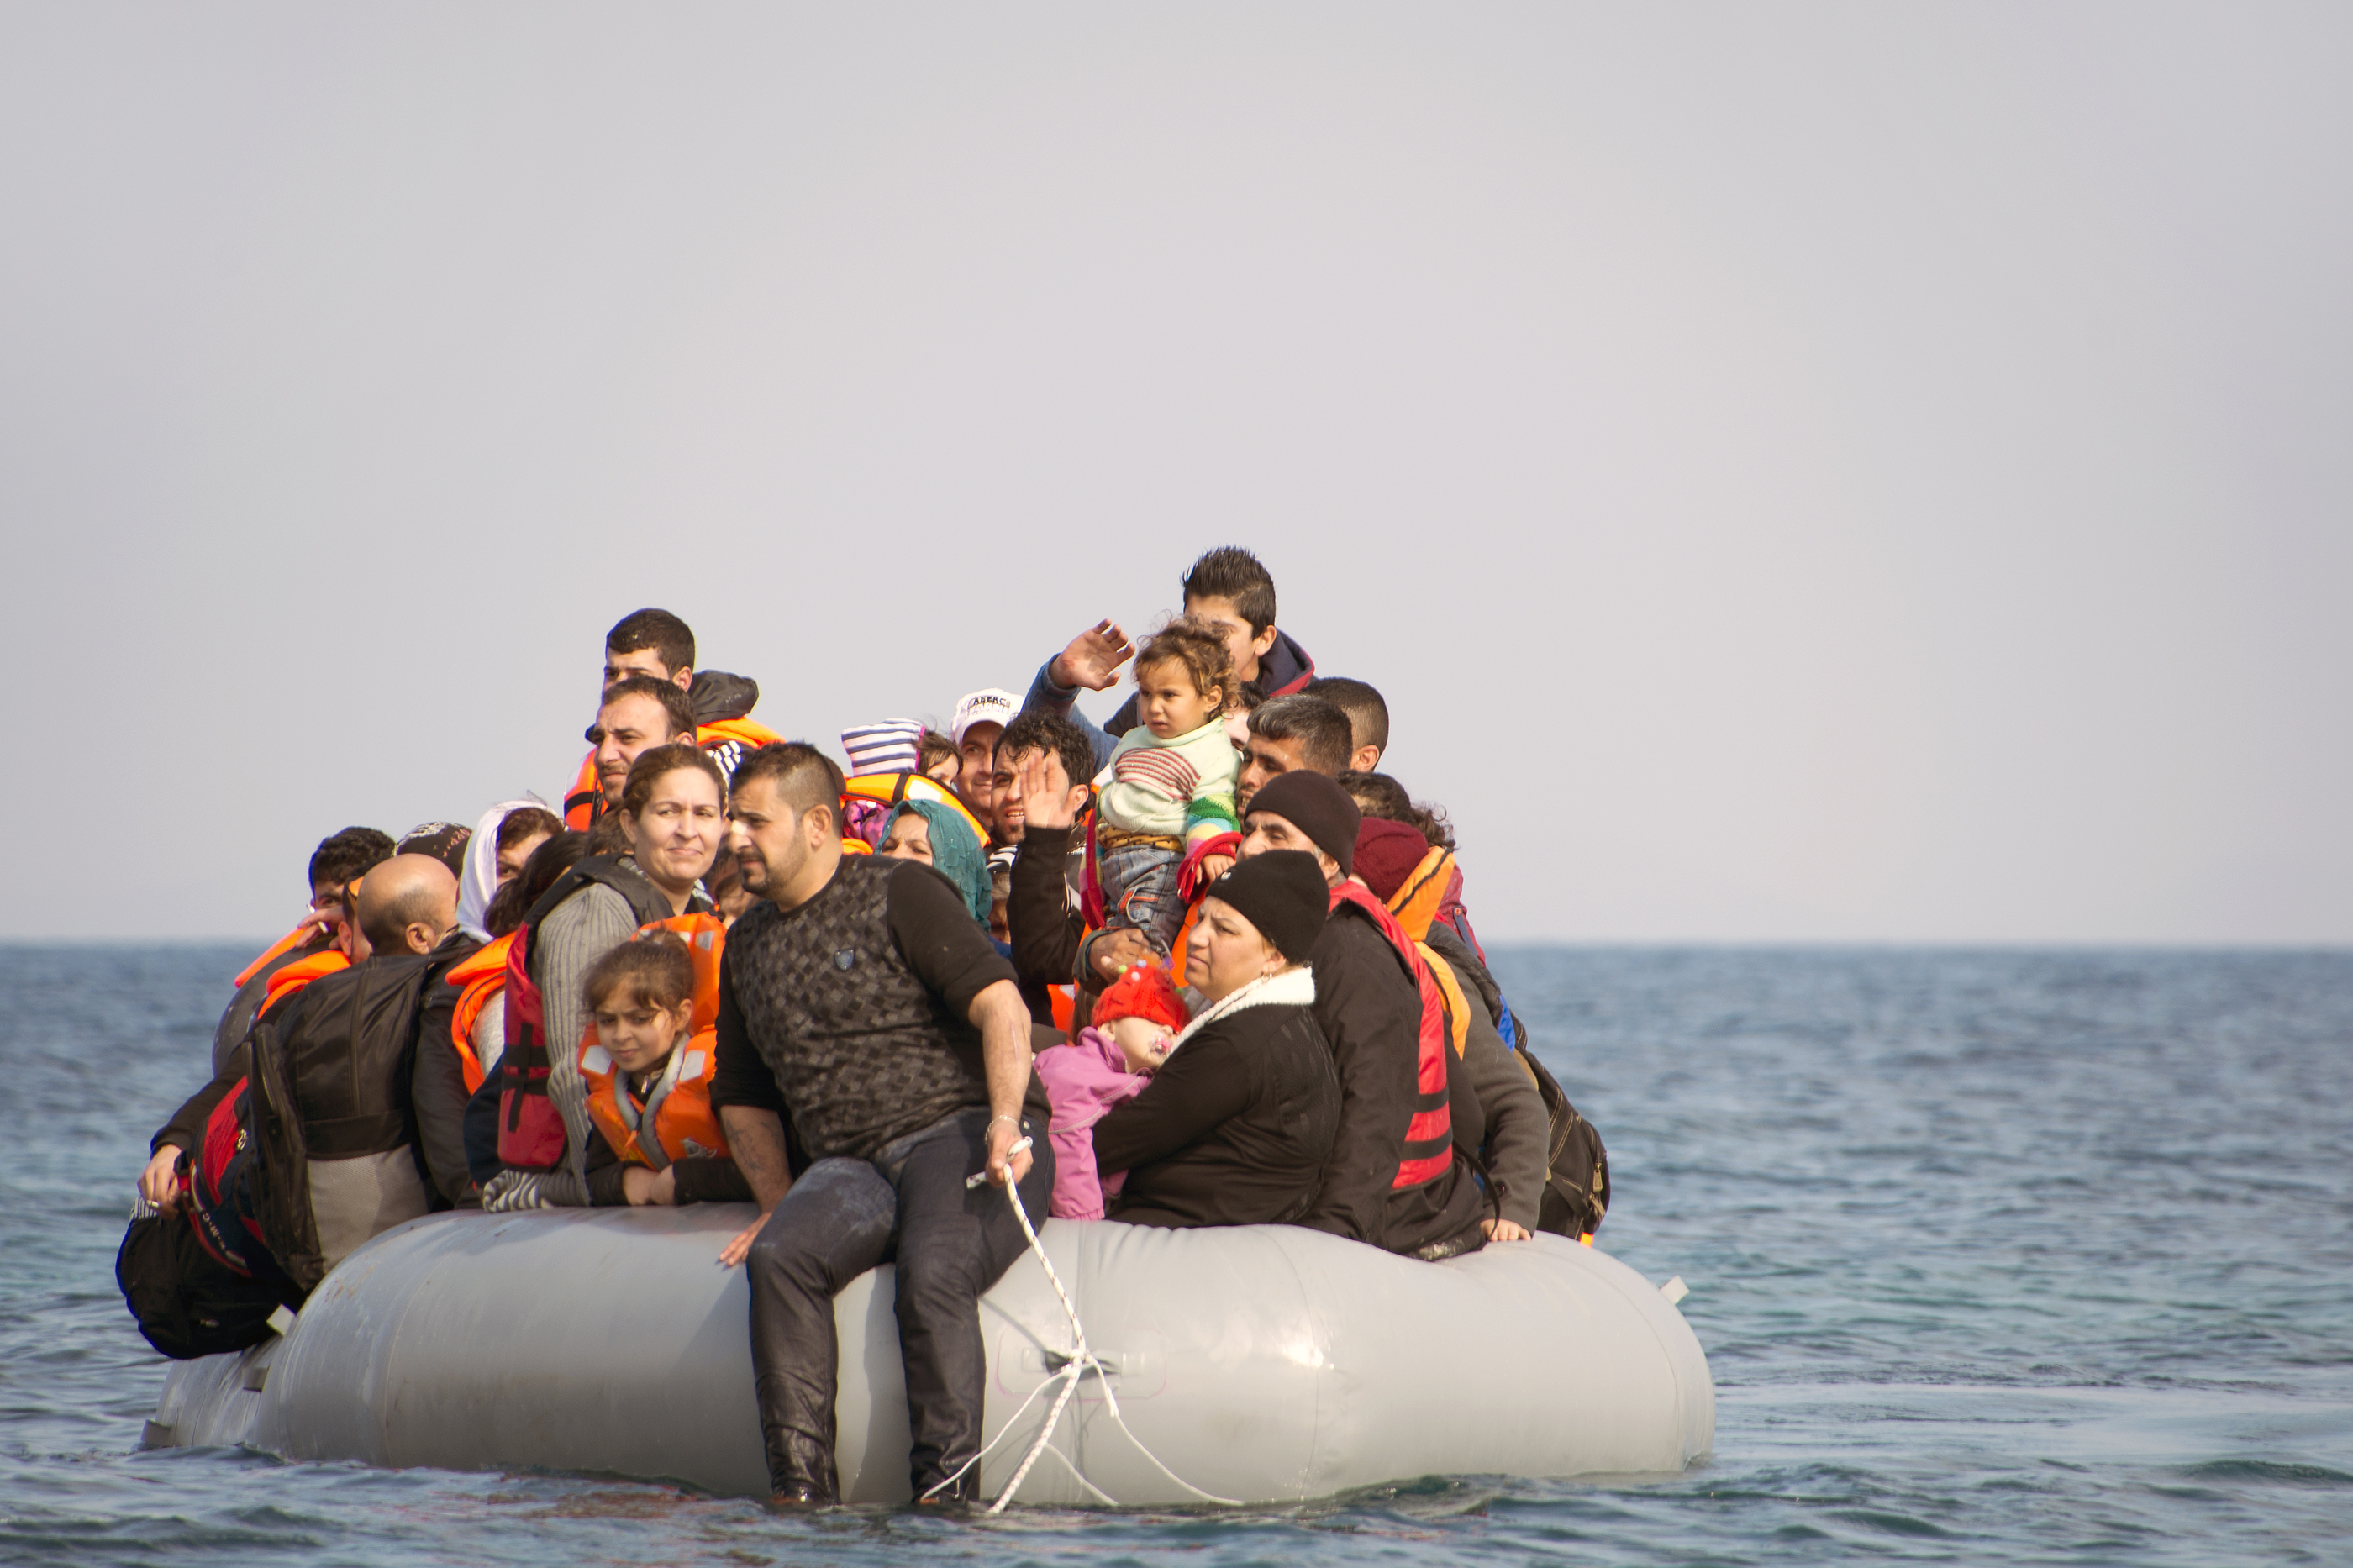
(1429, 1135)
(531, 1129)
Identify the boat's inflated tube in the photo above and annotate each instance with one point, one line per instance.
(1263, 1364)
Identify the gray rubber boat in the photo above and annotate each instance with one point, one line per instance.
(1260, 1364)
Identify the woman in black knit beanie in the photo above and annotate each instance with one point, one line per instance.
(1236, 1125)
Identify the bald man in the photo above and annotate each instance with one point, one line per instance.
(407, 905)
(345, 1059)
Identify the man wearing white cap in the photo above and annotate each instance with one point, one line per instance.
(980, 718)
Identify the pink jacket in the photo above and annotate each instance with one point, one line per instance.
(1084, 1079)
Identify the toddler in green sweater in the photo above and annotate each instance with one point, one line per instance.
(1170, 784)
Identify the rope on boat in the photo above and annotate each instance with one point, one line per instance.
(1082, 1358)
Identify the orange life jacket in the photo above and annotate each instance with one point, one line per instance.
(676, 1118)
(1430, 1134)
(1184, 935)
(299, 974)
(532, 1134)
(1424, 893)
(479, 977)
(1458, 1011)
(583, 803)
(888, 789)
(279, 949)
(748, 733)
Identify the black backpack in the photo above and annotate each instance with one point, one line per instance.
(1577, 1167)
(186, 1303)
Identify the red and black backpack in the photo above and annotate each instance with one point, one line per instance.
(530, 1129)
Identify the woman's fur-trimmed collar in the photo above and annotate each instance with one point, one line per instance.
(1291, 988)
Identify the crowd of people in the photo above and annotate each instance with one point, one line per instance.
(1203, 965)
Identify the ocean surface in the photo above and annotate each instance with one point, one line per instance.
(1998, 1258)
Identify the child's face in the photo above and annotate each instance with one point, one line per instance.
(638, 1038)
(1144, 1043)
(1170, 703)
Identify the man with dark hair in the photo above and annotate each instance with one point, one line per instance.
(341, 859)
(1292, 734)
(1227, 587)
(655, 645)
(1369, 717)
(1042, 767)
(650, 642)
(1030, 735)
(638, 712)
(1394, 1178)
(861, 999)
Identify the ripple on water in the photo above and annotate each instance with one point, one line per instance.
(1998, 1258)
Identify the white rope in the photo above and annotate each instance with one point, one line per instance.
(1082, 1356)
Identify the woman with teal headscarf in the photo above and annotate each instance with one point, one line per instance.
(938, 836)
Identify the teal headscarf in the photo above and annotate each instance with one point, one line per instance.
(955, 853)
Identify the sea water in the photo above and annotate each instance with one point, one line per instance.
(1998, 1258)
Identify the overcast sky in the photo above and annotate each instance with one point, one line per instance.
(1808, 472)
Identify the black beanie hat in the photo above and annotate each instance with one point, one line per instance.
(1318, 807)
(1283, 893)
(445, 841)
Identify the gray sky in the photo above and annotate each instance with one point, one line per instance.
(1799, 473)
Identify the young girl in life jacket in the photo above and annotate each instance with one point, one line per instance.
(1111, 1061)
(648, 1072)
(1169, 786)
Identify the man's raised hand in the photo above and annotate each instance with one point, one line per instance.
(1045, 791)
(1091, 659)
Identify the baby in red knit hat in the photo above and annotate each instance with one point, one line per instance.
(1136, 1023)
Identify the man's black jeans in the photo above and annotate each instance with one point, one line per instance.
(907, 1205)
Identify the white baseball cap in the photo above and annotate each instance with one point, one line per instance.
(991, 705)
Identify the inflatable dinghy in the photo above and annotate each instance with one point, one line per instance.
(1258, 1365)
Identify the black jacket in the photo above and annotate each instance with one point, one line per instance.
(237, 1017)
(1038, 914)
(1498, 1114)
(1236, 1127)
(437, 1083)
(717, 695)
(1370, 1011)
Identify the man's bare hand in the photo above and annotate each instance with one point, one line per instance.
(1005, 1168)
(1091, 659)
(1046, 791)
(1502, 1231)
(735, 1251)
(1114, 951)
(159, 1183)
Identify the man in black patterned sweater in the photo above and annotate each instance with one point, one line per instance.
(862, 1000)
